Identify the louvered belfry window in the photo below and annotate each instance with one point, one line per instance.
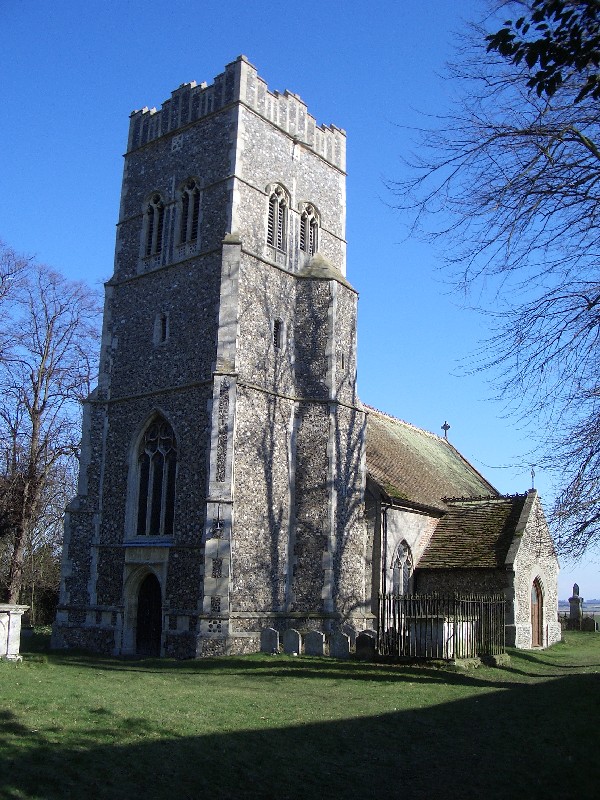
(277, 221)
(157, 462)
(190, 212)
(155, 214)
(309, 230)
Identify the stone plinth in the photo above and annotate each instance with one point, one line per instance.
(10, 630)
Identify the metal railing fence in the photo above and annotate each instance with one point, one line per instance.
(441, 627)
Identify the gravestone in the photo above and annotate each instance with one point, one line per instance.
(314, 643)
(339, 645)
(365, 645)
(10, 630)
(269, 640)
(576, 604)
(291, 641)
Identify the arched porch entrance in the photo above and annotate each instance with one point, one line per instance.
(537, 621)
(149, 617)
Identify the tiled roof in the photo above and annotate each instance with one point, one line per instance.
(474, 534)
(417, 467)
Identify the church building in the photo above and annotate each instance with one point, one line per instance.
(230, 478)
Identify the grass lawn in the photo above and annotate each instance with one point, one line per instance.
(77, 726)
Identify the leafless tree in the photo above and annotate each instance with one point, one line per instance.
(509, 181)
(45, 370)
(12, 270)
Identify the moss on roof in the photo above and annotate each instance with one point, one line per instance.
(418, 467)
(474, 534)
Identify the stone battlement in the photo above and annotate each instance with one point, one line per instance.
(239, 82)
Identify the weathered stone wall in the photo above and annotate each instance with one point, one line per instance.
(188, 295)
(534, 557)
(351, 570)
(344, 346)
(266, 295)
(312, 337)
(311, 508)
(262, 502)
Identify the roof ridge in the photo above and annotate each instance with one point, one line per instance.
(404, 422)
(484, 497)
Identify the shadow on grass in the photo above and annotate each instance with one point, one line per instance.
(545, 663)
(280, 667)
(536, 741)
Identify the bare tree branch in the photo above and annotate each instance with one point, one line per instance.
(52, 328)
(509, 182)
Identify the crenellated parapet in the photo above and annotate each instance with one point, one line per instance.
(239, 82)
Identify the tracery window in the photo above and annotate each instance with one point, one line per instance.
(155, 215)
(190, 212)
(402, 568)
(277, 220)
(309, 230)
(157, 462)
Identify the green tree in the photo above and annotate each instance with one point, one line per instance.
(555, 39)
(510, 182)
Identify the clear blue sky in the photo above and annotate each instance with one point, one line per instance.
(70, 74)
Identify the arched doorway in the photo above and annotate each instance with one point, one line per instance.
(149, 617)
(537, 606)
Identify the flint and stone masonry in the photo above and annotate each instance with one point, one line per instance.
(222, 474)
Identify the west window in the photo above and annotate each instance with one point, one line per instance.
(309, 229)
(190, 212)
(157, 462)
(277, 219)
(155, 217)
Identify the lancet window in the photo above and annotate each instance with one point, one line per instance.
(402, 569)
(277, 220)
(190, 212)
(157, 462)
(309, 229)
(155, 216)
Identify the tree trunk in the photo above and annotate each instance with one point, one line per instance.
(15, 578)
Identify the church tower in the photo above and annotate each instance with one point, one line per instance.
(222, 472)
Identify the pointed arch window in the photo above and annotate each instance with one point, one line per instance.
(155, 217)
(309, 229)
(277, 220)
(190, 212)
(402, 569)
(157, 462)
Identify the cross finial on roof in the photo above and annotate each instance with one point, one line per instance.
(532, 477)
(445, 428)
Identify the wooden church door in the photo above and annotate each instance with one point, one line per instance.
(149, 617)
(536, 614)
